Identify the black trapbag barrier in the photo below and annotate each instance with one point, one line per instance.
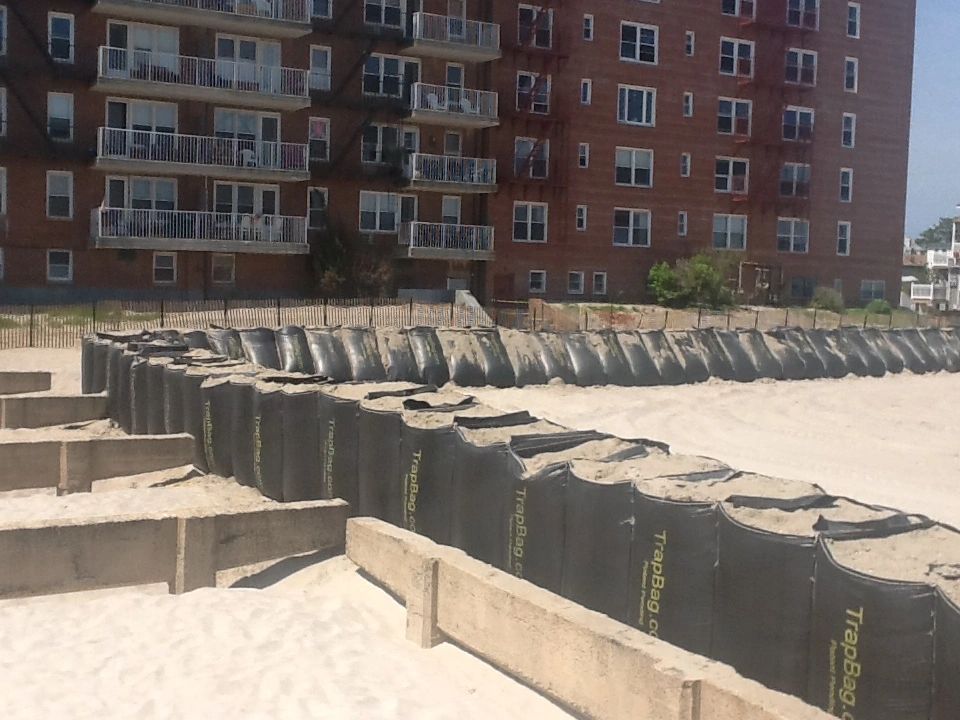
(525, 357)
(329, 356)
(101, 352)
(226, 342)
(191, 405)
(196, 340)
(554, 357)
(744, 369)
(947, 355)
(397, 355)
(694, 366)
(911, 359)
(217, 395)
(586, 364)
(613, 359)
(835, 365)
(86, 364)
(951, 339)
(643, 369)
(946, 689)
(337, 425)
(301, 444)
(535, 523)
(174, 376)
(113, 380)
(664, 358)
(872, 643)
(598, 521)
(156, 424)
(761, 623)
(293, 349)
(766, 364)
(494, 360)
(428, 353)
(815, 367)
(260, 347)
(792, 364)
(124, 392)
(480, 490)
(843, 345)
(912, 336)
(242, 393)
(139, 396)
(714, 356)
(871, 356)
(426, 471)
(363, 357)
(463, 357)
(267, 440)
(877, 340)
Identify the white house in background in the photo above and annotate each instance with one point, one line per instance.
(942, 292)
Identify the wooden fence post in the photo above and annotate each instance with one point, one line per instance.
(756, 320)
(31, 325)
(94, 316)
(728, 318)
(278, 313)
(666, 315)
(699, 315)
(410, 319)
(162, 314)
(815, 318)
(786, 318)
(225, 322)
(323, 309)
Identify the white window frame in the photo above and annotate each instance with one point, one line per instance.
(69, 277)
(847, 226)
(682, 223)
(3, 193)
(874, 286)
(729, 175)
(586, 91)
(533, 105)
(633, 226)
(219, 257)
(690, 43)
(383, 5)
(536, 148)
(164, 254)
(69, 176)
(734, 104)
(532, 40)
(852, 117)
(593, 282)
(71, 116)
(801, 54)
(4, 21)
(382, 199)
(73, 35)
(322, 17)
(529, 222)
(583, 155)
(801, 10)
(326, 205)
(403, 133)
(855, 62)
(800, 112)
(588, 27)
(686, 164)
(382, 59)
(738, 9)
(854, 7)
(737, 43)
(795, 170)
(580, 218)
(325, 78)
(793, 236)
(635, 155)
(728, 234)
(649, 105)
(846, 173)
(639, 28)
(688, 104)
(543, 277)
(571, 274)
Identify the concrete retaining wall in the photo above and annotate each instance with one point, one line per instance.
(33, 411)
(15, 381)
(582, 659)
(183, 549)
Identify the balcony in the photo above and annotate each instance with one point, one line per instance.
(138, 152)
(927, 292)
(940, 259)
(441, 241)
(453, 38)
(176, 77)
(452, 106)
(445, 173)
(125, 228)
(263, 18)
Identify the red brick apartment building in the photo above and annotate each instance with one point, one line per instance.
(208, 147)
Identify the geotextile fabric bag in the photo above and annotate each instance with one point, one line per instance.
(669, 367)
(586, 364)
(124, 408)
(839, 343)
(613, 359)
(302, 454)
(139, 398)
(363, 356)
(931, 363)
(872, 359)
(814, 365)
(293, 349)
(329, 356)
(226, 342)
(525, 357)
(554, 358)
(878, 341)
(462, 352)
(242, 392)
(694, 366)
(766, 364)
(337, 427)
(947, 355)
(397, 355)
(905, 349)
(260, 347)
(744, 369)
(156, 386)
(643, 369)
(267, 440)
(216, 394)
(792, 364)
(428, 353)
(494, 361)
(714, 356)
(835, 365)
(946, 690)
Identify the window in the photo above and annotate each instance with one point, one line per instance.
(738, 8)
(59, 266)
(321, 9)
(3, 111)
(533, 92)
(843, 238)
(384, 144)
(388, 75)
(731, 175)
(851, 74)
(3, 194)
(801, 67)
(164, 268)
(60, 116)
(734, 116)
(586, 91)
(450, 210)
(3, 30)
(853, 20)
(682, 223)
(802, 288)
(316, 208)
(636, 105)
(319, 139)
(688, 104)
(736, 57)
(538, 281)
(634, 167)
(631, 228)
(452, 143)
(848, 137)
(454, 75)
(575, 282)
(803, 13)
(60, 195)
(798, 124)
(581, 217)
(690, 43)
(60, 37)
(3, 265)
(846, 185)
(685, 162)
(534, 26)
(319, 67)
(638, 43)
(383, 12)
(408, 208)
(378, 212)
(588, 27)
(793, 235)
(729, 232)
(153, 194)
(795, 180)
(222, 268)
(583, 155)
(531, 158)
(529, 222)
(872, 290)
(599, 283)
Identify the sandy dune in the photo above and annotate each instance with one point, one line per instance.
(63, 363)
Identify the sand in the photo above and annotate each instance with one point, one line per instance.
(591, 450)
(358, 391)
(63, 363)
(800, 522)
(890, 441)
(322, 643)
(70, 431)
(494, 435)
(657, 464)
(749, 484)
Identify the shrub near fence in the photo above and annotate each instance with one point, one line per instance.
(57, 326)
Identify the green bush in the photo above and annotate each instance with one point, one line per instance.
(703, 279)
(664, 284)
(825, 298)
(878, 307)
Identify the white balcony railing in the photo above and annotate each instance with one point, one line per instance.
(219, 74)
(940, 259)
(443, 236)
(451, 30)
(480, 105)
(285, 10)
(421, 167)
(161, 147)
(926, 291)
(178, 226)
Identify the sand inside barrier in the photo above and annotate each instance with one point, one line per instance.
(750, 484)
(800, 522)
(656, 464)
(496, 435)
(590, 450)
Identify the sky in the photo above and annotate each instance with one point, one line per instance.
(933, 182)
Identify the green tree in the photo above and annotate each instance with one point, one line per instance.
(937, 237)
(703, 279)
(665, 286)
(826, 298)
